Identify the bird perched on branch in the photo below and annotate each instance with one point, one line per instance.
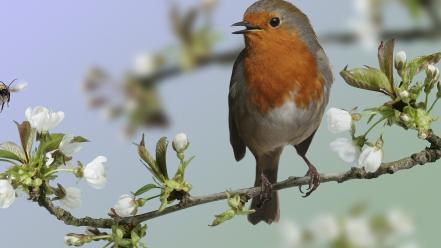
(278, 92)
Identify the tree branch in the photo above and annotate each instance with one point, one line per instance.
(229, 56)
(428, 155)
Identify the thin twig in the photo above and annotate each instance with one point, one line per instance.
(428, 155)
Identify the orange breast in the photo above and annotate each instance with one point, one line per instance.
(279, 68)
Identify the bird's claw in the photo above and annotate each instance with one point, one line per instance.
(266, 190)
(314, 182)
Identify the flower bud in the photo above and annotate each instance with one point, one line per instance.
(126, 206)
(432, 72)
(144, 65)
(404, 118)
(73, 240)
(404, 94)
(400, 60)
(180, 142)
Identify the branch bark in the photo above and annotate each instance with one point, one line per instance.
(428, 155)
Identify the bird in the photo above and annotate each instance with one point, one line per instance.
(279, 89)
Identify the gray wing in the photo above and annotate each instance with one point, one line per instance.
(236, 141)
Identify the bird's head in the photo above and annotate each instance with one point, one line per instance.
(274, 21)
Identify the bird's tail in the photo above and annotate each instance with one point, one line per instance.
(267, 210)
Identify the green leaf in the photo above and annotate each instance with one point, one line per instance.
(368, 79)
(161, 154)
(386, 59)
(420, 63)
(52, 142)
(79, 139)
(10, 155)
(145, 189)
(150, 163)
(26, 137)
(16, 152)
(221, 218)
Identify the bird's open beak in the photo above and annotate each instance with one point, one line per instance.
(249, 27)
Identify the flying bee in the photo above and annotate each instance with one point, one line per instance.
(6, 90)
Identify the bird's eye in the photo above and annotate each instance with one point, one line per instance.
(274, 22)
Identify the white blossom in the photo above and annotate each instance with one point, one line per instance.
(42, 119)
(346, 150)
(126, 206)
(339, 120)
(72, 199)
(7, 194)
(324, 228)
(358, 232)
(68, 147)
(180, 142)
(400, 223)
(400, 60)
(291, 235)
(95, 172)
(144, 65)
(371, 158)
(50, 158)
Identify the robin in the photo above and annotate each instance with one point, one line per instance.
(278, 92)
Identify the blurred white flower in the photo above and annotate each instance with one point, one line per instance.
(144, 65)
(400, 222)
(126, 206)
(371, 158)
(7, 194)
(95, 172)
(291, 235)
(49, 158)
(180, 142)
(324, 228)
(72, 199)
(400, 60)
(363, 24)
(346, 150)
(67, 147)
(339, 120)
(358, 232)
(42, 119)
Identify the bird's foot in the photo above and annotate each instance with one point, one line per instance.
(266, 190)
(314, 181)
